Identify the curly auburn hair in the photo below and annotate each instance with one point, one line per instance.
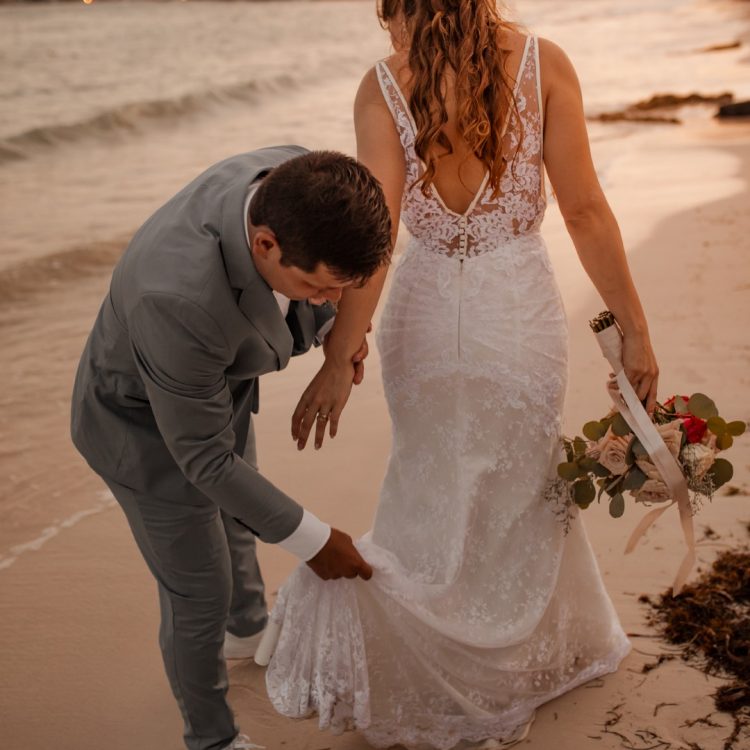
(459, 37)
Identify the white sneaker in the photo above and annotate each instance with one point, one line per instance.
(242, 742)
(241, 648)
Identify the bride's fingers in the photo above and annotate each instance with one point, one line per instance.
(321, 422)
(335, 417)
(651, 398)
(306, 425)
(297, 417)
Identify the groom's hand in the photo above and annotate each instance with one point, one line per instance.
(339, 558)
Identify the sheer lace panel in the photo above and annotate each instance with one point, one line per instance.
(519, 208)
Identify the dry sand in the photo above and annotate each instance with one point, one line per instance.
(79, 660)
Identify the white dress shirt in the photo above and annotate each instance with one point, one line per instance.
(312, 534)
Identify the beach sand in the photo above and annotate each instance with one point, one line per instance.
(79, 661)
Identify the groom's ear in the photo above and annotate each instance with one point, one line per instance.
(263, 242)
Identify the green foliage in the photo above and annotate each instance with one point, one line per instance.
(724, 441)
(721, 472)
(634, 479)
(568, 470)
(617, 505)
(619, 426)
(702, 406)
(579, 446)
(584, 492)
(736, 428)
(679, 406)
(594, 430)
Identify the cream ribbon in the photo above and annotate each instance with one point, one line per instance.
(627, 403)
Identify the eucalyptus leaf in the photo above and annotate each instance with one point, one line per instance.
(619, 426)
(587, 463)
(568, 470)
(680, 406)
(702, 406)
(579, 447)
(568, 450)
(721, 472)
(634, 479)
(613, 488)
(736, 428)
(584, 492)
(617, 505)
(717, 425)
(724, 441)
(594, 430)
(601, 471)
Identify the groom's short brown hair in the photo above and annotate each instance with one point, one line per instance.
(325, 207)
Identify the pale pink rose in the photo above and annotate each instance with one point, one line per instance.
(652, 491)
(594, 450)
(613, 449)
(699, 458)
(671, 434)
(648, 468)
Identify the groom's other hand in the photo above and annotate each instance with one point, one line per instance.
(339, 558)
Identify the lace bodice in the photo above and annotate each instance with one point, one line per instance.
(519, 208)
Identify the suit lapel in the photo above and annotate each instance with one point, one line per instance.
(301, 322)
(259, 306)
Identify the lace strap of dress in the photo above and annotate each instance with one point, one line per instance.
(398, 107)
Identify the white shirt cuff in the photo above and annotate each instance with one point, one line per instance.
(308, 538)
(324, 329)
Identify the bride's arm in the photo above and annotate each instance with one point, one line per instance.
(588, 217)
(379, 149)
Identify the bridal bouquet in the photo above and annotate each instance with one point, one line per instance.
(610, 460)
(654, 458)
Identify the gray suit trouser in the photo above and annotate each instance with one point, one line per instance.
(208, 577)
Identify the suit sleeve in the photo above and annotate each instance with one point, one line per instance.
(182, 355)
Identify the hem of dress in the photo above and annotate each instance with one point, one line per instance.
(474, 731)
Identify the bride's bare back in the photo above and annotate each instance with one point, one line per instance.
(459, 174)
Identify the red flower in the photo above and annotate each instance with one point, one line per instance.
(695, 428)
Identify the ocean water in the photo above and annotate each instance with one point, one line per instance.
(107, 109)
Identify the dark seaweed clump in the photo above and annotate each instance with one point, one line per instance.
(710, 619)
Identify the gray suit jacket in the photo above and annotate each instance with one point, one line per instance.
(168, 378)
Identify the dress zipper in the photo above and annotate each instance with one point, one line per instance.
(461, 255)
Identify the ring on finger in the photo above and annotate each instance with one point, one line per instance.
(322, 417)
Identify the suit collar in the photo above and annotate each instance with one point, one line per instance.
(256, 300)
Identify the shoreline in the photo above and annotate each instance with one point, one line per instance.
(79, 614)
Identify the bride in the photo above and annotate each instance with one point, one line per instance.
(481, 607)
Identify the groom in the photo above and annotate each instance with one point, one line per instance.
(220, 286)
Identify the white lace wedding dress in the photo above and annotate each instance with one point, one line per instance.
(481, 607)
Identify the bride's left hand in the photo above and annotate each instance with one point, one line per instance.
(639, 363)
(325, 398)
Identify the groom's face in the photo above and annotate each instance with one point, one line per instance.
(316, 286)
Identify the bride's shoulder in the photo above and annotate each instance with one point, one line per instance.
(553, 60)
(370, 91)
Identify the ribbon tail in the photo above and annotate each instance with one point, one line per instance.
(643, 526)
(685, 567)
